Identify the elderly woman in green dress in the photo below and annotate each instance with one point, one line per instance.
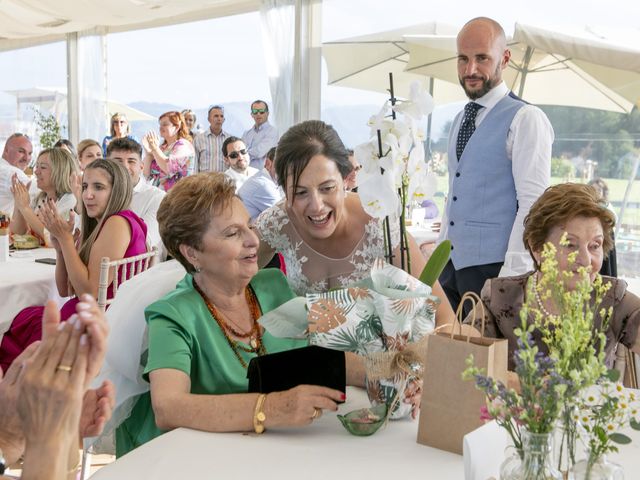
(203, 334)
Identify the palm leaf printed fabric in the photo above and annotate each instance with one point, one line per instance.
(396, 311)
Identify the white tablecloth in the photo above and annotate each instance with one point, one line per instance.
(423, 234)
(24, 283)
(323, 450)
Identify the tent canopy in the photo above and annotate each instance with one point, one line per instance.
(25, 23)
(548, 67)
(54, 99)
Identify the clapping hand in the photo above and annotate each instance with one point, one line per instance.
(58, 227)
(20, 192)
(10, 425)
(150, 141)
(53, 383)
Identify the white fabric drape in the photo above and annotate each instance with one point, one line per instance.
(278, 36)
(92, 87)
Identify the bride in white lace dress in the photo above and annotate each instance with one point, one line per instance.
(325, 236)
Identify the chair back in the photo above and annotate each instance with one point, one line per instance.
(123, 270)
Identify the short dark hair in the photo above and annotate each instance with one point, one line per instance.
(227, 142)
(304, 141)
(215, 107)
(127, 144)
(63, 142)
(271, 154)
(266, 105)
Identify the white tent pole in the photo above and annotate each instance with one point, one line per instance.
(73, 94)
(307, 60)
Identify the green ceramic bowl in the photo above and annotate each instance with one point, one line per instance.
(365, 421)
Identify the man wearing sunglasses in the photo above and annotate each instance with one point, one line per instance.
(237, 157)
(260, 138)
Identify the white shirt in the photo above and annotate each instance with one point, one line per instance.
(240, 178)
(6, 174)
(529, 148)
(145, 203)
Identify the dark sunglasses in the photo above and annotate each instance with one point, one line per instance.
(255, 111)
(234, 155)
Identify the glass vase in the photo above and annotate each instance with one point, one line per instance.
(566, 441)
(511, 465)
(537, 462)
(600, 469)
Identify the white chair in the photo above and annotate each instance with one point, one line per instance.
(123, 270)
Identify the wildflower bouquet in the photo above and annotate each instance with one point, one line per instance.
(537, 406)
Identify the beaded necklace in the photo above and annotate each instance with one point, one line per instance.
(254, 335)
(538, 299)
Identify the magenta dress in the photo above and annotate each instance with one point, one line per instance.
(26, 327)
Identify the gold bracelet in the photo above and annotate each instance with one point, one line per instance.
(258, 414)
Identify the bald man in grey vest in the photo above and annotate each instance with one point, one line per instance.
(499, 164)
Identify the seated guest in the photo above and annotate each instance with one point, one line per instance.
(203, 334)
(55, 172)
(237, 157)
(120, 128)
(578, 211)
(167, 162)
(44, 395)
(88, 151)
(146, 198)
(350, 181)
(261, 191)
(16, 156)
(109, 229)
(325, 236)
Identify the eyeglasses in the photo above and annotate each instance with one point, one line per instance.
(234, 155)
(255, 111)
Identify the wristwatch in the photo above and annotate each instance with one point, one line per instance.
(3, 465)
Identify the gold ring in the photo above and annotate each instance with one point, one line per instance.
(64, 368)
(316, 413)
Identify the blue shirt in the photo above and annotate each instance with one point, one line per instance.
(259, 192)
(259, 140)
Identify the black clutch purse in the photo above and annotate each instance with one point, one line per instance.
(310, 365)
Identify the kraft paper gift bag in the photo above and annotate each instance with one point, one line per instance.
(450, 406)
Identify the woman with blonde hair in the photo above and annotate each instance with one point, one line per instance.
(120, 128)
(88, 151)
(109, 229)
(56, 173)
(167, 162)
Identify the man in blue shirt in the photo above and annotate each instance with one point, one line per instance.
(261, 190)
(262, 136)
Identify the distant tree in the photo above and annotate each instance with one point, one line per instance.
(562, 168)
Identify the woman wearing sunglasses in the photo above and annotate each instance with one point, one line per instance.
(236, 156)
(120, 128)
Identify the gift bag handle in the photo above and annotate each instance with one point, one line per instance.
(475, 301)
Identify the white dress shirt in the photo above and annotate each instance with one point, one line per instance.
(240, 178)
(145, 203)
(528, 147)
(6, 174)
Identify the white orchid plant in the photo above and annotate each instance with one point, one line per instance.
(394, 170)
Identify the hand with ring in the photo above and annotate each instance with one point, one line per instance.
(50, 398)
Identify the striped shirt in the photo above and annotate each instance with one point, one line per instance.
(208, 147)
